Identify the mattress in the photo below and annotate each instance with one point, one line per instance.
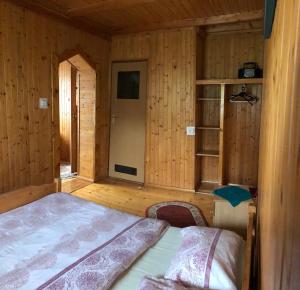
(156, 261)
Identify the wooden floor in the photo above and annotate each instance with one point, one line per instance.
(133, 198)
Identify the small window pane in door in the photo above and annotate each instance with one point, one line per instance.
(128, 85)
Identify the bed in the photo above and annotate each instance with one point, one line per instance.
(57, 243)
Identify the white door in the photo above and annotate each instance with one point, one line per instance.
(128, 110)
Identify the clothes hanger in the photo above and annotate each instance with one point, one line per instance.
(243, 96)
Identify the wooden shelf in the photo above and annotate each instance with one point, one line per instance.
(209, 99)
(208, 187)
(208, 128)
(242, 102)
(230, 81)
(208, 154)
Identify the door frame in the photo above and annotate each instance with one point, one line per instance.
(146, 114)
(56, 59)
(75, 97)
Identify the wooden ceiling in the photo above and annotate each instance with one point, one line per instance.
(111, 17)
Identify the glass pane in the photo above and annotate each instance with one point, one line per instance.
(128, 85)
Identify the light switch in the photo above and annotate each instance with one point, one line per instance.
(190, 131)
(43, 103)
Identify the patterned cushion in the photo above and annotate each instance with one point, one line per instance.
(207, 258)
(177, 213)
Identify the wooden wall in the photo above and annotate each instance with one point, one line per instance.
(279, 174)
(65, 110)
(170, 108)
(28, 42)
(225, 52)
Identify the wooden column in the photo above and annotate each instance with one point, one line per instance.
(221, 136)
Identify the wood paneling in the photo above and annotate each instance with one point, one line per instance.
(119, 16)
(171, 74)
(225, 51)
(242, 128)
(28, 45)
(16, 198)
(170, 108)
(279, 165)
(65, 110)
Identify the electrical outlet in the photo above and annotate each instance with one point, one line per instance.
(190, 131)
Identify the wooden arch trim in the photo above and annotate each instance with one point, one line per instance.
(69, 53)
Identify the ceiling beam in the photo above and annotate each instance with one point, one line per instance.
(105, 6)
(204, 21)
(58, 15)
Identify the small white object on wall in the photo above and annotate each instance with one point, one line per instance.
(190, 131)
(43, 103)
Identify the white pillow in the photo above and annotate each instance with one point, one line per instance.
(207, 258)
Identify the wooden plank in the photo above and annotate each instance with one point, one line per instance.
(171, 56)
(105, 6)
(238, 140)
(58, 15)
(14, 199)
(74, 119)
(241, 121)
(55, 117)
(221, 137)
(65, 111)
(203, 21)
(279, 173)
(28, 71)
(242, 142)
(230, 81)
(249, 249)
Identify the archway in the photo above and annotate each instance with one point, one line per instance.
(74, 109)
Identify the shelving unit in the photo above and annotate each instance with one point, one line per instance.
(208, 133)
(227, 133)
(210, 185)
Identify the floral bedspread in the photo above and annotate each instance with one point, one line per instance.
(64, 242)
